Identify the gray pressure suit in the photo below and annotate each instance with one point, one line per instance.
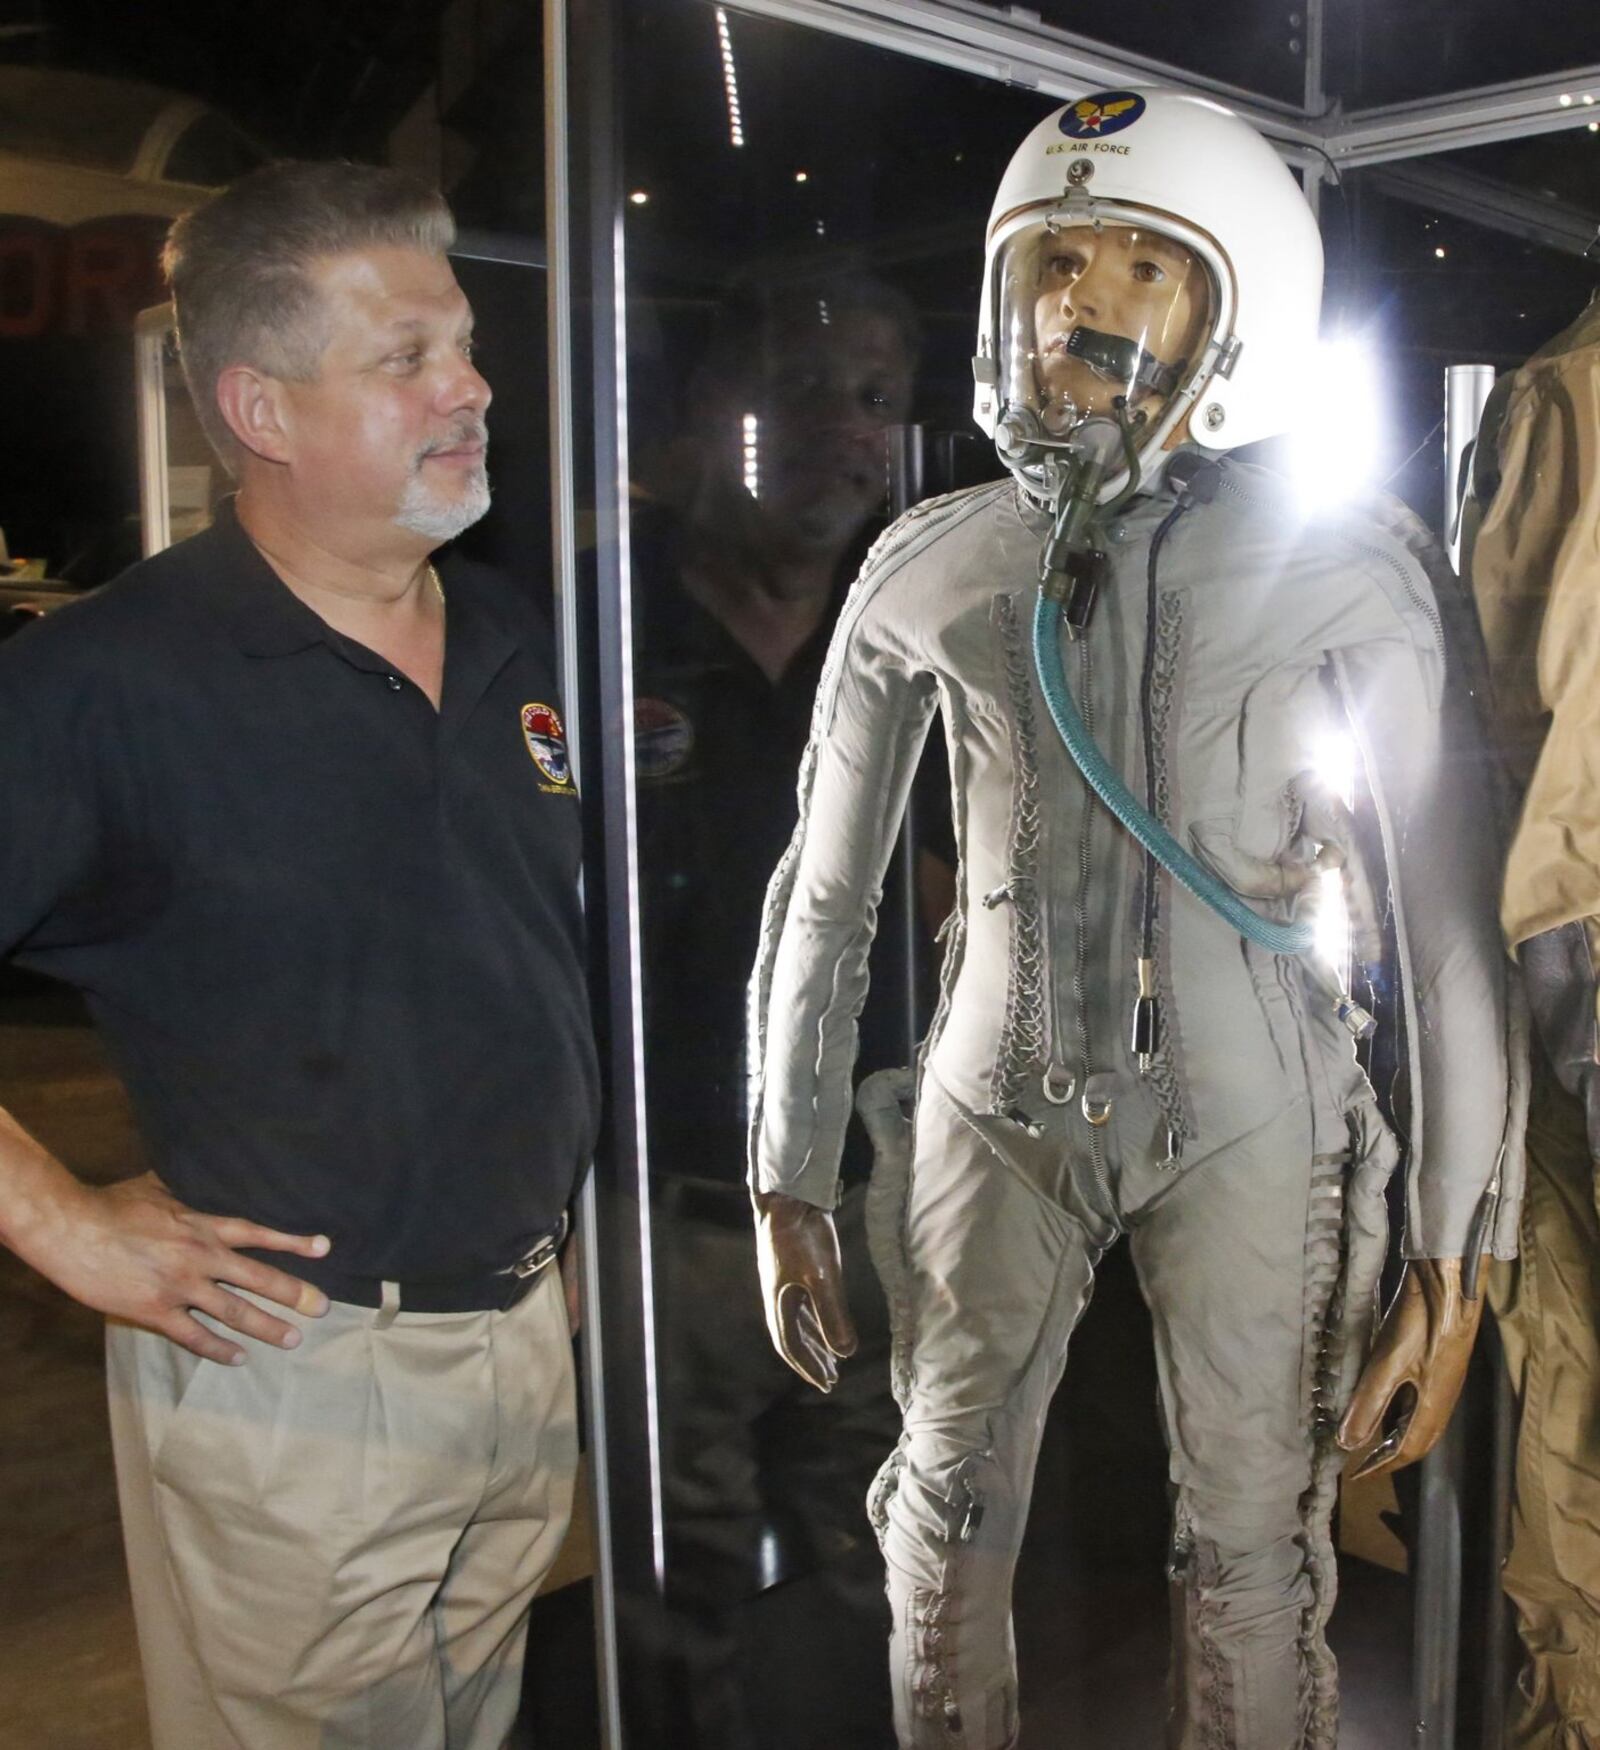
(1248, 1165)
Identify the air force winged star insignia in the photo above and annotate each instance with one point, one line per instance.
(547, 742)
(1107, 112)
(1094, 116)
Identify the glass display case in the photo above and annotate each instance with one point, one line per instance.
(766, 240)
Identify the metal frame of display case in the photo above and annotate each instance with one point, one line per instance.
(150, 335)
(593, 594)
(1014, 47)
(590, 458)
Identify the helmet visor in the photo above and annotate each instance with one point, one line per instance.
(1087, 313)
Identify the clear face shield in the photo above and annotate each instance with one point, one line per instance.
(1098, 327)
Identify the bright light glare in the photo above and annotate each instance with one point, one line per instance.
(730, 79)
(639, 198)
(1340, 444)
(750, 437)
(1334, 760)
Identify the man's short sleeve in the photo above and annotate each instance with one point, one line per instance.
(49, 832)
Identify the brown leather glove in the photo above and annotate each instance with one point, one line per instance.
(802, 1287)
(1413, 1377)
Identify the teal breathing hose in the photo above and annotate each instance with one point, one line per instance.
(1109, 787)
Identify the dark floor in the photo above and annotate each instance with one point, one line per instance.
(68, 1669)
(1091, 1599)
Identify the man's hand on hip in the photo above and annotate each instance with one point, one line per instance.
(134, 1252)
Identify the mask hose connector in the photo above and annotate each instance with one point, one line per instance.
(1074, 531)
(1128, 425)
(1072, 562)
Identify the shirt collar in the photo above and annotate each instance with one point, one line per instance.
(264, 615)
(267, 618)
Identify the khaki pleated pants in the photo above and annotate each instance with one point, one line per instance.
(334, 1547)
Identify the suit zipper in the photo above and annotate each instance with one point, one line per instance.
(1080, 914)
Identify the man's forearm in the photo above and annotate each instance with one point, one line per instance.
(133, 1252)
(38, 1195)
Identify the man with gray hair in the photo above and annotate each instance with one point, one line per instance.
(291, 805)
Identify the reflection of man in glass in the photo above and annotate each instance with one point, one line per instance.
(765, 503)
(782, 462)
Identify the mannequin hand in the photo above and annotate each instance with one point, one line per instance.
(1413, 1376)
(802, 1286)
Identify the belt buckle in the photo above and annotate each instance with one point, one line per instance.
(535, 1260)
(542, 1252)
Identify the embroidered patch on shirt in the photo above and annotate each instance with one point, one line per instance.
(547, 742)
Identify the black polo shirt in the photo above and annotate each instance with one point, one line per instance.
(331, 936)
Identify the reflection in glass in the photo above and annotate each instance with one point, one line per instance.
(753, 519)
(777, 175)
(801, 284)
(799, 290)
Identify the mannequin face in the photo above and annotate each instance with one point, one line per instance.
(1119, 280)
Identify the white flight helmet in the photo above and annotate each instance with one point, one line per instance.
(1175, 167)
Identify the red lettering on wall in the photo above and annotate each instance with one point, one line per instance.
(104, 277)
(94, 279)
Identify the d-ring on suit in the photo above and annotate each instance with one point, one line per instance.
(1212, 639)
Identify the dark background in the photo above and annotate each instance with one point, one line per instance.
(322, 77)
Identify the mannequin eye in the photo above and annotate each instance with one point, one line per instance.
(1064, 264)
(1149, 273)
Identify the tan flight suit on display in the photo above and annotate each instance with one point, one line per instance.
(1536, 575)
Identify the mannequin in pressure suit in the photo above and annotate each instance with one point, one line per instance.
(1110, 1055)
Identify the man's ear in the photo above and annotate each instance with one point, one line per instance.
(252, 405)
